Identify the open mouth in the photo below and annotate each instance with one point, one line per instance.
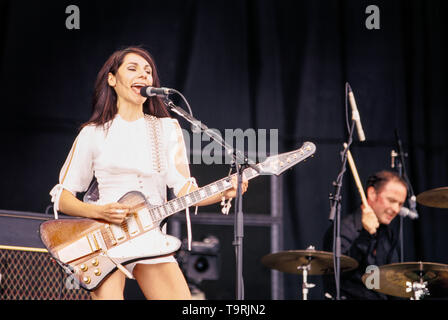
(390, 216)
(137, 87)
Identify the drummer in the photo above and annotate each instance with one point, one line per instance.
(369, 236)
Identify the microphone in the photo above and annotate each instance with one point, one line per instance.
(406, 212)
(413, 204)
(355, 114)
(152, 91)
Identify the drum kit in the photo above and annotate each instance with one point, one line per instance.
(412, 280)
(306, 262)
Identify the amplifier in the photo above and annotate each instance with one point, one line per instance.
(27, 271)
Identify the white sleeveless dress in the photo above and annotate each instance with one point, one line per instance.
(145, 155)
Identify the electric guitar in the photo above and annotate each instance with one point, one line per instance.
(90, 250)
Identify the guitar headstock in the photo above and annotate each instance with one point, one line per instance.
(279, 163)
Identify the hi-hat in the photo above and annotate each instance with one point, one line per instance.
(320, 262)
(434, 198)
(396, 279)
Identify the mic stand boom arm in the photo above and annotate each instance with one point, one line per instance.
(237, 156)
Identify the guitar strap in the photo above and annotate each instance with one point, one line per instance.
(191, 182)
(159, 163)
(154, 128)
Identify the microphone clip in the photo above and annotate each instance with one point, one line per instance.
(393, 155)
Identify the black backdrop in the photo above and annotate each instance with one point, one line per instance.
(242, 64)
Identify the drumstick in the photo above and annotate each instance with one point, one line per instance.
(356, 176)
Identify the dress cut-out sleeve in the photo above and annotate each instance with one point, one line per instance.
(77, 171)
(178, 170)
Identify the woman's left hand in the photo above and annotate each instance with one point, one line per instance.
(231, 193)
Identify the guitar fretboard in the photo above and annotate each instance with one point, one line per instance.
(171, 207)
(273, 165)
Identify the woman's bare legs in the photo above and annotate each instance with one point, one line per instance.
(162, 281)
(111, 289)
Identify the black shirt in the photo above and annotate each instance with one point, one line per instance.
(379, 249)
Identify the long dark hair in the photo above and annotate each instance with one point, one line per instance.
(104, 100)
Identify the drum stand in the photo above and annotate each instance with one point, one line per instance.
(306, 262)
(305, 284)
(418, 288)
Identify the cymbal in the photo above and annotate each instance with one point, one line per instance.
(393, 278)
(434, 198)
(321, 262)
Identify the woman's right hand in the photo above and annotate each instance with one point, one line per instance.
(113, 212)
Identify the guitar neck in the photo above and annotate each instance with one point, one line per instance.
(181, 203)
(272, 165)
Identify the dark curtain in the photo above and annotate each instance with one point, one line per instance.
(243, 64)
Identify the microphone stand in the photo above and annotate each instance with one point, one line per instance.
(335, 213)
(239, 217)
(402, 173)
